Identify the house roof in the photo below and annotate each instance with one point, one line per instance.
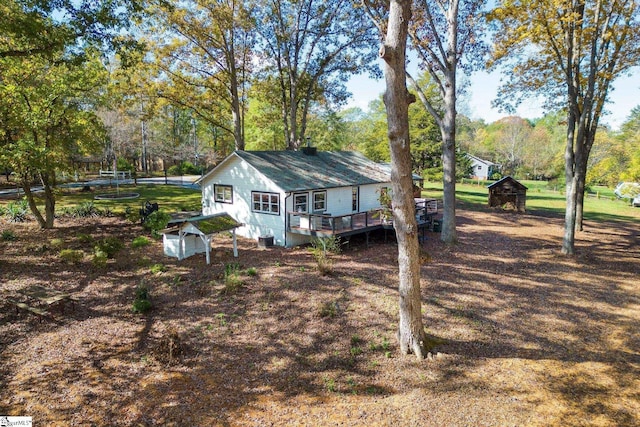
(297, 171)
(505, 180)
(479, 160)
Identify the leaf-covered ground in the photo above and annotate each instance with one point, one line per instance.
(524, 336)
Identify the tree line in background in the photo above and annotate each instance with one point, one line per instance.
(148, 85)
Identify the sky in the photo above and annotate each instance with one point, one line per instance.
(483, 89)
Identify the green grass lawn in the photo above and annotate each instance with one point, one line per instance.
(600, 204)
(170, 198)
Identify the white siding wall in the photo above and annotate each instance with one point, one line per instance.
(370, 196)
(244, 179)
(480, 170)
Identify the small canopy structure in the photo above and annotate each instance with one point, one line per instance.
(185, 237)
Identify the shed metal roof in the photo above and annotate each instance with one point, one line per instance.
(507, 179)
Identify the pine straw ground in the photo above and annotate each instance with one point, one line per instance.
(525, 337)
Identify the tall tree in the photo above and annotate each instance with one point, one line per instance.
(46, 120)
(569, 51)
(397, 99)
(445, 33)
(309, 50)
(204, 54)
(50, 75)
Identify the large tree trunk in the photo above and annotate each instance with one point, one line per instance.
(448, 131)
(411, 335)
(570, 189)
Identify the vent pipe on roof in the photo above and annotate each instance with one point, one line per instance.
(309, 150)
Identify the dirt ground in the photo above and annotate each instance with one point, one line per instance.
(525, 336)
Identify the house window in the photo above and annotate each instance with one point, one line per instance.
(266, 202)
(355, 199)
(319, 201)
(223, 193)
(300, 203)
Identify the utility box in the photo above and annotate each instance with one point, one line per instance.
(265, 241)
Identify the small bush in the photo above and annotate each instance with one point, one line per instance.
(252, 272)
(18, 211)
(322, 248)
(86, 210)
(84, 238)
(232, 279)
(56, 243)
(72, 256)
(157, 268)
(110, 246)
(99, 258)
(141, 303)
(8, 236)
(156, 222)
(140, 242)
(132, 215)
(329, 309)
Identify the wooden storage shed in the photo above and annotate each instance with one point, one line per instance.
(509, 194)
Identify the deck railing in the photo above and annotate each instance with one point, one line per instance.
(305, 223)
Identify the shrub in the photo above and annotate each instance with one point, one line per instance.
(158, 268)
(232, 279)
(84, 238)
(140, 242)
(141, 303)
(56, 243)
(322, 248)
(83, 210)
(156, 222)
(252, 272)
(72, 256)
(328, 309)
(17, 211)
(86, 210)
(8, 236)
(184, 168)
(132, 215)
(99, 258)
(110, 246)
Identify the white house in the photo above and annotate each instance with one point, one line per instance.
(482, 169)
(292, 195)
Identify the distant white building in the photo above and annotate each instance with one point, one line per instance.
(482, 169)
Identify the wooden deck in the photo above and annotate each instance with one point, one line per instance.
(323, 225)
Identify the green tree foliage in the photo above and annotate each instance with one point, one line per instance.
(569, 52)
(45, 28)
(46, 120)
(51, 77)
(308, 50)
(630, 139)
(203, 49)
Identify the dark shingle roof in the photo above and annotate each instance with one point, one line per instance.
(297, 171)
